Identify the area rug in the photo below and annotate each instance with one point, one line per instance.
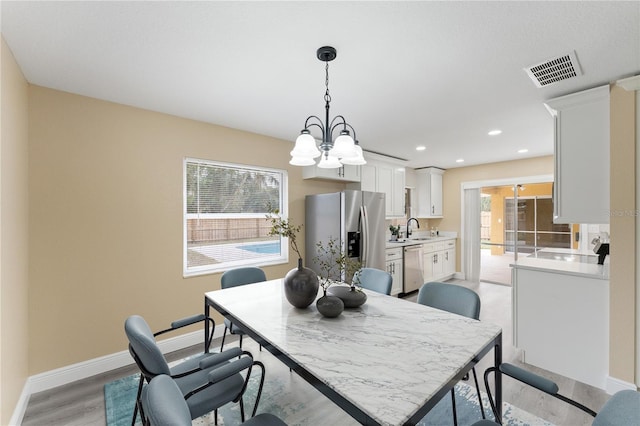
(295, 401)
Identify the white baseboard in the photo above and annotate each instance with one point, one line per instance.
(614, 385)
(82, 370)
(21, 406)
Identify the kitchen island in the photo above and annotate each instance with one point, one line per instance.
(561, 313)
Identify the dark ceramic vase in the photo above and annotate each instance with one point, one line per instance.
(301, 286)
(330, 306)
(351, 297)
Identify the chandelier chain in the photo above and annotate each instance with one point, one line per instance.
(327, 96)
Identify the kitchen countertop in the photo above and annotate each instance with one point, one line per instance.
(422, 240)
(564, 261)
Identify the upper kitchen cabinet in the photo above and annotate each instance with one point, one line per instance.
(386, 175)
(581, 156)
(429, 189)
(345, 173)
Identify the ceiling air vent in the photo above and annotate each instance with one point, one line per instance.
(554, 70)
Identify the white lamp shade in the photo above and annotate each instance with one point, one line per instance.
(305, 147)
(356, 160)
(302, 161)
(343, 146)
(329, 162)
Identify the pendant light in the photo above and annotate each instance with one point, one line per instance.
(333, 154)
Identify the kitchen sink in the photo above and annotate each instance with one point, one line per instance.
(420, 239)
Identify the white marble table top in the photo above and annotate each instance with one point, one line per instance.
(388, 358)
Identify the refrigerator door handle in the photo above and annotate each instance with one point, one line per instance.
(365, 236)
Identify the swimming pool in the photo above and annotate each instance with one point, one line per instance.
(272, 247)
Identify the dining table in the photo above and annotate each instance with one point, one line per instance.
(386, 362)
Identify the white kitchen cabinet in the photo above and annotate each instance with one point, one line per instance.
(387, 177)
(394, 267)
(345, 173)
(398, 199)
(449, 258)
(581, 156)
(429, 192)
(368, 177)
(384, 183)
(439, 260)
(391, 179)
(432, 268)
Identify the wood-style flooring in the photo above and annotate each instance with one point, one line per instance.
(82, 402)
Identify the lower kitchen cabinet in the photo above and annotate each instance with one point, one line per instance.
(394, 267)
(449, 258)
(439, 260)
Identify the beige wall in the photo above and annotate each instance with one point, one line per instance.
(14, 254)
(623, 252)
(106, 219)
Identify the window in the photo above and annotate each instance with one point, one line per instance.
(225, 207)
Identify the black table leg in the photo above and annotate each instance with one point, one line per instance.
(206, 325)
(498, 379)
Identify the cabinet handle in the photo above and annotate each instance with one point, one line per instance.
(433, 209)
(446, 255)
(435, 258)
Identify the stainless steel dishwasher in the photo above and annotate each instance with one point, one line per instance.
(413, 267)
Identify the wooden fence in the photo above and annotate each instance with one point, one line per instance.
(214, 230)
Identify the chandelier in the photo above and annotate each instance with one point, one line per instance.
(333, 154)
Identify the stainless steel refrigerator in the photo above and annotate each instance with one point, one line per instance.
(354, 218)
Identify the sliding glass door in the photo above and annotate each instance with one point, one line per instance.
(529, 225)
(516, 221)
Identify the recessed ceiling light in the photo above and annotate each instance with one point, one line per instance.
(494, 132)
(523, 150)
(421, 148)
(460, 160)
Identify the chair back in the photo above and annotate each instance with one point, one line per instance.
(623, 408)
(143, 347)
(163, 403)
(450, 297)
(375, 280)
(242, 276)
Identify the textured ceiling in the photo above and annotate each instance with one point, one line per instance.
(439, 74)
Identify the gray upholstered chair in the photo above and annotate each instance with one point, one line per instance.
(234, 278)
(375, 280)
(458, 300)
(164, 405)
(207, 381)
(623, 408)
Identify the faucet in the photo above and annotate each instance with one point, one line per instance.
(409, 229)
